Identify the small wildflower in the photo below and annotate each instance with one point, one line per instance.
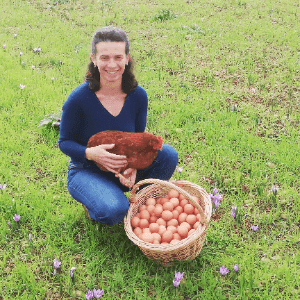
(32, 67)
(8, 223)
(56, 263)
(52, 78)
(22, 86)
(15, 35)
(274, 190)
(37, 70)
(236, 267)
(216, 199)
(233, 213)
(176, 282)
(71, 271)
(254, 228)
(178, 275)
(89, 295)
(35, 49)
(21, 53)
(30, 237)
(215, 191)
(98, 293)
(17, 218)
(4, 46)
(23, 63)
(179, 169)
(223, 270)
(2, 186)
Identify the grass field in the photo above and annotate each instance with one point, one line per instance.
(223, 84)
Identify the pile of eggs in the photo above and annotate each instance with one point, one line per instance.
(166, 220)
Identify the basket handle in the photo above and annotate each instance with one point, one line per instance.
(132, 196)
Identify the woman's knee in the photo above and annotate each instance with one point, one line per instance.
(170, 153)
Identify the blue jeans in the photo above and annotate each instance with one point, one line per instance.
(103, 194)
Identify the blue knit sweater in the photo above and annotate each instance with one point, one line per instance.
(83, 115)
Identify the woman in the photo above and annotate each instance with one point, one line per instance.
(110, 99)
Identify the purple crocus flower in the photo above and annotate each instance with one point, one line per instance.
(22, 86)
(236, 267)
(176, 282)
(98, 293)
(17, 218)
(233, 213)
(32, 67)
(21, 53)
(254, 228)
(56, 263)
(15, 35)
(71, 271)
(4, 46)
(8, 223)
(179, 169)
(223, 270)
(216, 199)
(274, 190)
(2, 186)
(178, 275)
(30, 237)
(89, 295)
(215, 191)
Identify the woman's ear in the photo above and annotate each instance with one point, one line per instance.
(93, 58)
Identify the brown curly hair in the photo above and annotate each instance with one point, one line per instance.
(112, 34)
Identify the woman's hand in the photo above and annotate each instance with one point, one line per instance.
(130, 177)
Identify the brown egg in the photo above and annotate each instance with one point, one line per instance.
(150, 201)
(176, 236)
(168, 206)
(158, 210)
(182, 231)
(138, 215)
(181, 197)
(150, 208)
(153, 219)
(173, 194)
(188, 208)
(146, 230)
(175, 213)
(137, 231)
(144, 223)
(182, 217)
(174, 201)
(186, 224)
(191, 231)
(164, 243)
(147, 237)
(196, 199)
(174, 241)
(154, 227)
(163, 201)
(196, 211)
(172, 222)
(162, 229)
(161, 221)
(167, 215)
(183, 202)
(172, 228)
(196, 225)
(156, 242)
(143, 207)
(199, 217)
(145, 214)
(191, 219)
(179, 208)
(167, 236)
(156, 236)
(135, 222)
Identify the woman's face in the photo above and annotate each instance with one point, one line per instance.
(110, 60)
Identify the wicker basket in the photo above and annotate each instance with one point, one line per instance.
(186, 249)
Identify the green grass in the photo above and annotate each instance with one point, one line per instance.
(196, 60)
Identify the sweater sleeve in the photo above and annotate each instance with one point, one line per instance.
(71, 122)
(141, 120)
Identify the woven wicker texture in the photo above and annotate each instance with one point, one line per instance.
(186, 249)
